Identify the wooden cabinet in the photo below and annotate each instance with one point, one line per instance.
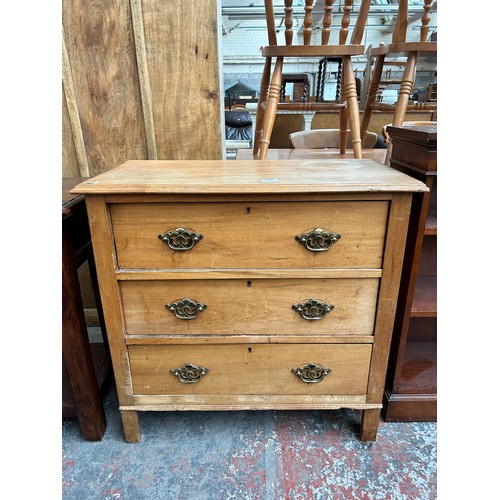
(85, 367)
(411, 389)
(231, 285)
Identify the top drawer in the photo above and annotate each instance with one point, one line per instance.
(250, 235)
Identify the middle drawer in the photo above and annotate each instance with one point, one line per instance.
(250, 307)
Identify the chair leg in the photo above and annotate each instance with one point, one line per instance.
(405, 89)
(271, 108)
(403, 98)
(342, 115)
(352, 106)
(261, 106)
(372, 94)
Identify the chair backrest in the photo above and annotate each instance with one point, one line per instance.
(401, 25)
(327, 138)
(357, 34)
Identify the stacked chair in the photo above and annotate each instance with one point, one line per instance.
(410, 52)
(270, 86)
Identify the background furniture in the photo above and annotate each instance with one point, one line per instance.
(86, 367)
(312, 154)
(411, 388)
(387, 137)
(293, 121)
(201, 313)
(238, 125)
(270, 89)
(327, 138)
(411, 51)
(300, 92)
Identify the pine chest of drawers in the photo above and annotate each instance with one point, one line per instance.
(232, 285)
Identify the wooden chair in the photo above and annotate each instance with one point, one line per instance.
(270, 87)
(327, 138)
(411, 51)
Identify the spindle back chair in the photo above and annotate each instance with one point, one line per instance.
(270, 87)
(410, 51)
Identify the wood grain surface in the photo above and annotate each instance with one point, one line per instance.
(141, 81)
(256, 369)
(236, 177)
(259, 307)
(250, 235)
(183, 67)
(101, 52)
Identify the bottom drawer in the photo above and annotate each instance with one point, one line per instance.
(250, 369)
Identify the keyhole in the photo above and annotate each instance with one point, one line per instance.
(249, 349)
(249, 283)
(248, 210)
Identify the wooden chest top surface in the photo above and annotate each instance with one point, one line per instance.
(233, 176)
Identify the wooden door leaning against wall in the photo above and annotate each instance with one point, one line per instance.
(135, 86)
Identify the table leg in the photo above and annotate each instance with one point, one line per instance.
(76, 351)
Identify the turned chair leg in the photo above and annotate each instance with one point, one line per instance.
(403, 98)
(405, 89)
(271, 108)
(262, 104)
(352, 106)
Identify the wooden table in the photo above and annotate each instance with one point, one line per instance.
(319, 154)
(85, 367)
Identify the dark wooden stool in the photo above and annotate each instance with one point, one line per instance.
(86, 367)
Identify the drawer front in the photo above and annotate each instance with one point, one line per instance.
(249, 235)
(260, 306)
(250, 369)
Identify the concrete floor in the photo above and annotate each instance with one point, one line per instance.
(264, 455)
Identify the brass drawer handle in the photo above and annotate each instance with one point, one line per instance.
(189, 373)
(186, 308)
(313, 309)
(318, 239)
(311, 373)
(180, 238)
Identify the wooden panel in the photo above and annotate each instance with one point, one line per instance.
(184, 77)
(250, 235)
(255, 369)
(69, 159)
(111, 301)
(101, 53)
(389, 287)
(250, 306)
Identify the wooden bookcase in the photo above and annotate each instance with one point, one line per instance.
(411, 385)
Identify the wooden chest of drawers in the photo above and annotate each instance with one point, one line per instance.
(233, 285)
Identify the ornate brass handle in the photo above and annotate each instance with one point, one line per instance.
(313, 309)
(189, 373)
(311, 373)
(180, 238)
(186, 308)
(318, 239)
